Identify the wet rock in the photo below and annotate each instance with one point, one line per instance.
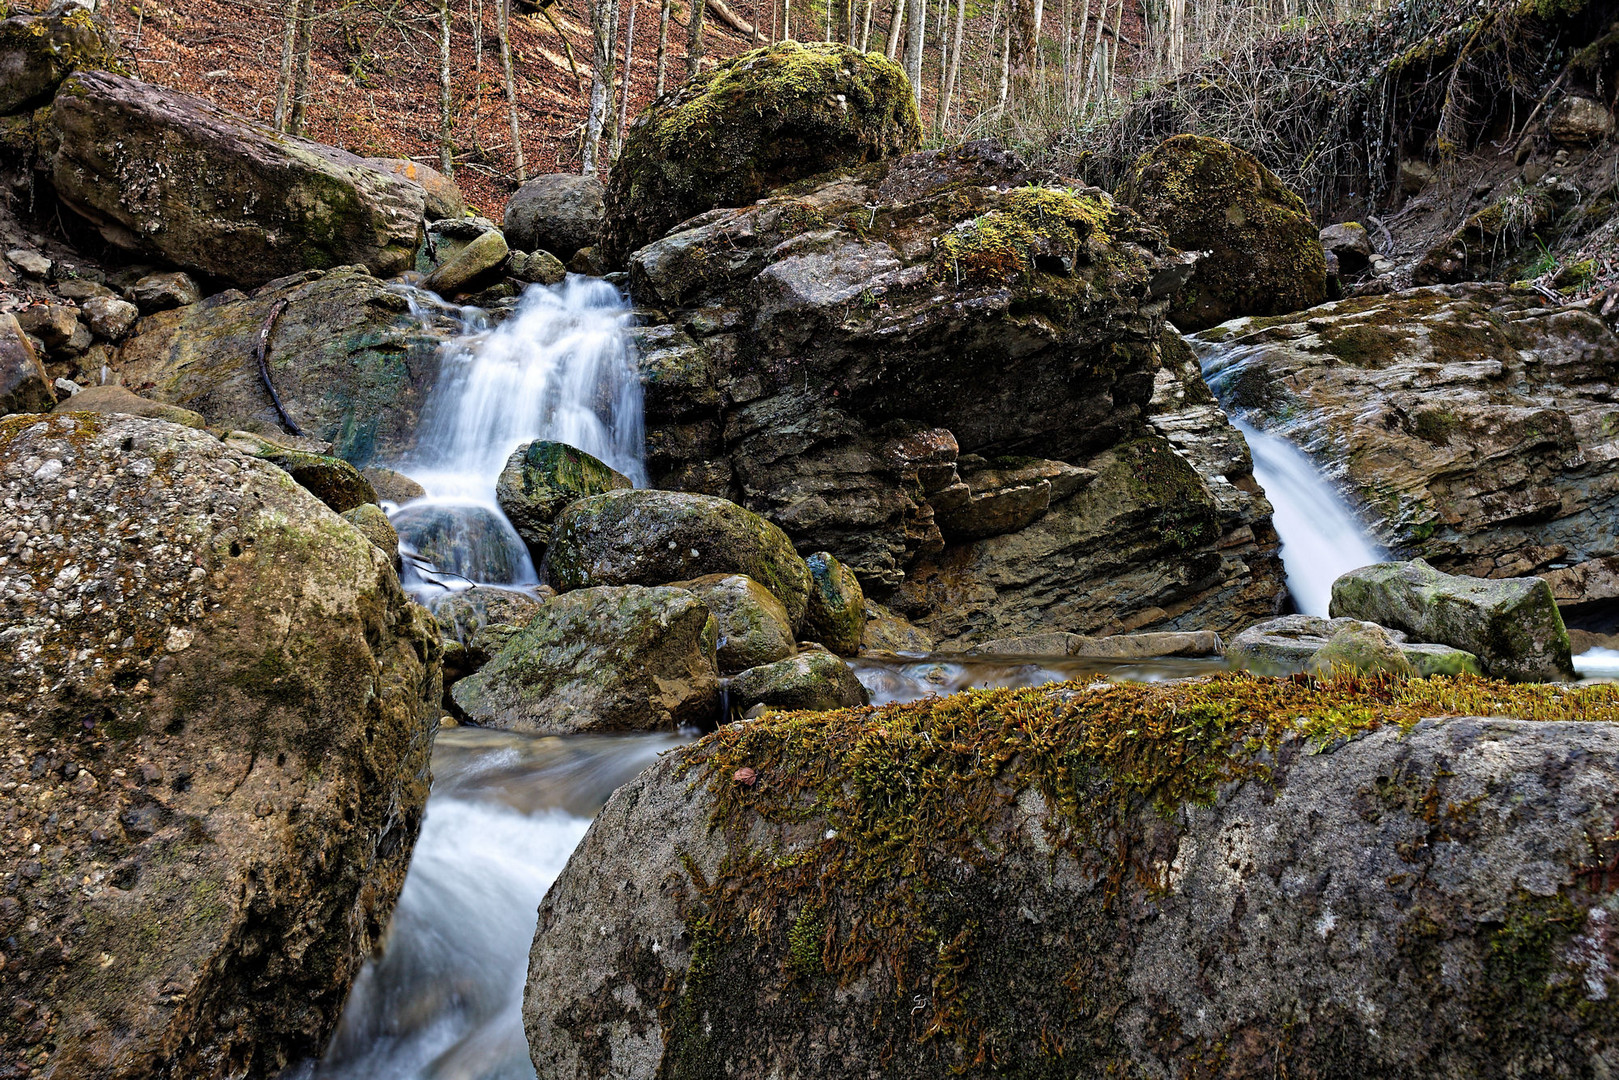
(108, 317)
(1511, 625)
(836, 616)
(887, 632)
(540, 267)
(601, 659)
(1264, 252)
(163, 292)
(220, 706)
(330, 479)
(1580, 121)
(1287, 645)
(813, 680)
(24, 385)
(1146, 646)
(460, 543)
(391, 486)
(463, 612)
(479, 259)
(168, 174)
(703, 962)
(441, 197)
(585, 261)
(1468, 424)
(352, 364)
(373, 524)
(1363, 648)
(38, 51)
(117, 399)
(752, 625)
(1350, 242)
(540, 478)
(559, 213)
(653, 537)
(756, 122)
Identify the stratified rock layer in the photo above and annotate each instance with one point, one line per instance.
(216, 709)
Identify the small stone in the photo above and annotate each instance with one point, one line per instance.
(52, 324)
(1580, 121)
(109, 317)
(1350, 242)
(161, 292)
(31, 263)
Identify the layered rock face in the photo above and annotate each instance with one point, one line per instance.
(216, 709)
(1472, 425)
(919, 364)
(1420, 899)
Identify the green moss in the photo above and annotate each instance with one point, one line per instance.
(1434, 425)
(1034, 229)
(1167, 483)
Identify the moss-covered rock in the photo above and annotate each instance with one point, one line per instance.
(1362, 648)
(1293, 643)
(644, 537)
(218, 710)
(602, 659)
(542, 477)
(837, 606)
(116, 399)
(38, 51)
(1264, 256)
(813, 680)
(330, 479)
(754, 123)
(373, 524)
(752, 625)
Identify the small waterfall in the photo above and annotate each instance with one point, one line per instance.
(561, 367)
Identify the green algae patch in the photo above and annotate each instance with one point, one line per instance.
(1035, 229)
(868, 844)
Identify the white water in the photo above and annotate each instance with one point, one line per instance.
(1322, 539)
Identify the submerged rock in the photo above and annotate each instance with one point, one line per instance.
(646, 537)
(1291, 643)
(813, 680)
(219, 706)
(752, 625)
(461, 542)
(602, 659)
(559, 214)
(866, 904)
(1511, 625)
(540, 478)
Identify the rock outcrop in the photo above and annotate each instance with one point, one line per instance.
(216, 709)
(1263, 256)
(1471, 424)
(164, 173)
(1378, 896)
(757, 122)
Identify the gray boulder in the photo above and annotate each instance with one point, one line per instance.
(1512, 625)
(163, 291)
(752, 625)
(542, 477)
(475, 263)
(24, 385)
(559, 213)
(646, 537)
(812, 680)
(604, 659)
(1289, 644)
(1362, 648)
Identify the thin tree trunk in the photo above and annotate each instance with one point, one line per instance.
(663, 48)
(601, 75)
(916, 17)
(1006, 65)
(446, 128)
(955, 64)
(289, 52)
(896, 20)
(694, 39)
(609, 125)
(503, 31)
(865, 30)
(786, 20)
(475, 17)
(624, 91)
(298, 119)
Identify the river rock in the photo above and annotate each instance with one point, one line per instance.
(117, 399)
(1283, 919)
(38, 51)
(1148, 646)
(752, 625)
(836, 616)
(330, 479)
(559, 214)
(109, 317)
(162, 291)
(645, 537)
(601, 659)
(1289, 644)
(540, 267)
(813, 680)
(25, 387)
(219, 706)
(1264, 254)
(756, 122)
(888, 632)
(164, 173)
(542, 477)
(352, 364)
(463, 612)
(481, 258)
(1363, 648)
(391, 486)
(1511, 625)
(53, 324)
(1468, 423)
(373, 524)
(460, 543)
(442, 198)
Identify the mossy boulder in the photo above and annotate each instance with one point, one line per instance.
(219, 707)
(752, 625)
(373, 524)
(542, 477)
(38, 51)
(477, 262)
(1292, 644)
(836, 616)
(811, 681)
(330, 479)
(754, 123)
(1231, 877)
(603, 659)
(1363, 648)
(645, 537)
(1265, 254)
(1511, 624)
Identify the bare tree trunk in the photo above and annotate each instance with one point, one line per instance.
(663, 48)
(601, 80)
(896, 20)
(475, 17)
(865, 30)
(624, 90)
(446, 128)
(289, 52)
(786, 20)
(503, 31)
(916, 17)
(1006, 65)
(694, 39)
(955, 64)
(298, 118)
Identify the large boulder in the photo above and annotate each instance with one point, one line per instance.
(1251, 877)
(218, 707)
(756, 122)
(24, 384)
(602, 659)
(834, 353)
(1264, 254)
(1469, 423)
(1511, 625)
(644, 537)
(38, 51)
(542, 477)
(164, 173)
(559, 214)
(352, 363)
(443, 198)
(752, 625)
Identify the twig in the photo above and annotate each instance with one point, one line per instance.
(264, 366)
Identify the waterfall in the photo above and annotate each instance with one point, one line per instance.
(561, 367)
